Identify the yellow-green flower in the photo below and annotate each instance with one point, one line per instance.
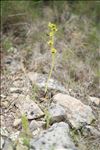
(51, 42)
(50, 25)
(51, 34)
(54, 29)
(53, 50)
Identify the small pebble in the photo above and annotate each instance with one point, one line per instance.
(17, 122)
(2, 142)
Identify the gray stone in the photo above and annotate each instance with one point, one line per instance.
(34, 125)
(5, 103)
(95, 100)
(1, 142)
(57, 113)
(40, 81)
(8, 145)
(29, 107)
(77, 113)
(90, 130)
(4, 132)
(3, 96)
(14, 136)
(2, 121)
(57, 137)
(12, 49)
(15, 90)
(17, 122)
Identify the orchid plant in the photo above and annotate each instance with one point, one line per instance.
(52, 30)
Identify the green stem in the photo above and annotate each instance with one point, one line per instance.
(53, 60)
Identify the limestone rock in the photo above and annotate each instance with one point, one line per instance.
(57, 113)
(40, 81)
(17, 122)
(1, 142)
(15, 90)
(57, 137)
(4, 132)
(5, 104)
(14, 135)
(3, 96)
(29, 107)
(34, 125)
(95, 100)
(90, 130)
(8, 145)
(77, 113)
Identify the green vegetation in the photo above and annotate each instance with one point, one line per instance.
(35, 91)
(84, 142)
(18, 11)
(87, 8)
(7, 45)
(75, 134)
(47, 118)
(26, 133)
(25, 124)
(26, 10)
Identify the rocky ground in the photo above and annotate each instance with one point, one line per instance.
(57, 121)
